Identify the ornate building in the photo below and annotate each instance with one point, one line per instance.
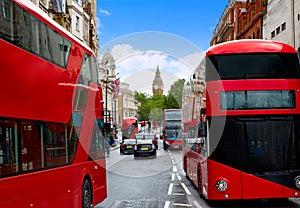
(127, 104)
(241, 19)
(157, 85)
(107, 77)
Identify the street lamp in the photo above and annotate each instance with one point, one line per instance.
(107, 114)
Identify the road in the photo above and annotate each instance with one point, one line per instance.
(151, 182)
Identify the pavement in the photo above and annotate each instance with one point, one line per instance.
(117, 146)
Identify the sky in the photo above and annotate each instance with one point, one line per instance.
(144, 34)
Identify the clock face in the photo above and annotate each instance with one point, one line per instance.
(155, 87)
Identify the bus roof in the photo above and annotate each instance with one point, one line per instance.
(250, 46)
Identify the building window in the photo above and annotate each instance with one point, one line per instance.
(277, 30)
(273, 34)
(283, 26)
(5, 10)
(77, 23)
(298, 17)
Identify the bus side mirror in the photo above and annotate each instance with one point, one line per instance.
(203, 111)
(135, 124)
(201, 130)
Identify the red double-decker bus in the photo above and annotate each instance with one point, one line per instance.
(129, 127)
(172, 129)
(51, 143)
(241, 118)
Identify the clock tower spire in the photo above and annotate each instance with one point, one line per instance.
(157, 85)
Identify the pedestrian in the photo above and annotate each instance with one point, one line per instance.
(107, 146)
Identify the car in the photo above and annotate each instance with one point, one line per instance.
(154, 138)
(139, 136)
(144, 146)
(127, 146)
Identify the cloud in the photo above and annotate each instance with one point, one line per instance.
(121, 51)
(100, 26)
(137, 67)
(104, 12)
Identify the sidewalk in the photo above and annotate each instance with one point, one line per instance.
(117, 146)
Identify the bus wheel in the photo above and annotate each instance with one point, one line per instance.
(185, 168)
(199, 182)
(86, 194)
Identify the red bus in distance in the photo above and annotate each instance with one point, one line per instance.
(51, 129)
(129, 127)
(172, 129)
(241, 121)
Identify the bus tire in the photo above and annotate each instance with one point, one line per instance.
(185, 169)
(199, 182)
(86, 194)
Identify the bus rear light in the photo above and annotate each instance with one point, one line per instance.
(221, 185)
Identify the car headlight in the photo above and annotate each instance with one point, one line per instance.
(221, 185)
(168, 143)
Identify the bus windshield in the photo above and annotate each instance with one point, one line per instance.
(252, 66)
(173, 115)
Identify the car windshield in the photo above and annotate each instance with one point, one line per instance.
(129, 141)
(139, 136)
(149, 136)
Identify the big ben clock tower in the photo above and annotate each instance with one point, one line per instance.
(157, 85)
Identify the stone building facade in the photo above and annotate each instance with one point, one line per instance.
(241, 19)
(76, 16)
(260, 19)
(127, 104)
(282, 22)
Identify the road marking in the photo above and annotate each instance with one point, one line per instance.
(167, 204)
(178, 176)
(175, 169)
(197, 204)
(173, 162)
(182, 205)
(178, 194)
(170, 189)
(173, 177)
(186, 189)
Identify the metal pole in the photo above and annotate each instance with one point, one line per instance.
(106, 111)
(115, 100)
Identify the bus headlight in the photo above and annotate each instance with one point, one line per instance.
(221, 185)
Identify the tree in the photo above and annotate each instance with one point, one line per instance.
(174, 98)
(154, 106)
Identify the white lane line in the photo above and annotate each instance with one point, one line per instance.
(178, 176)
(175, 169)
(197, 204)
(182, 205)
(173, 177)
(167, 204)
(178, 194)
(170, 189)
(173, 162)
(186, 189)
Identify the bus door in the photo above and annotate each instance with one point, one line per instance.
(7, 148)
